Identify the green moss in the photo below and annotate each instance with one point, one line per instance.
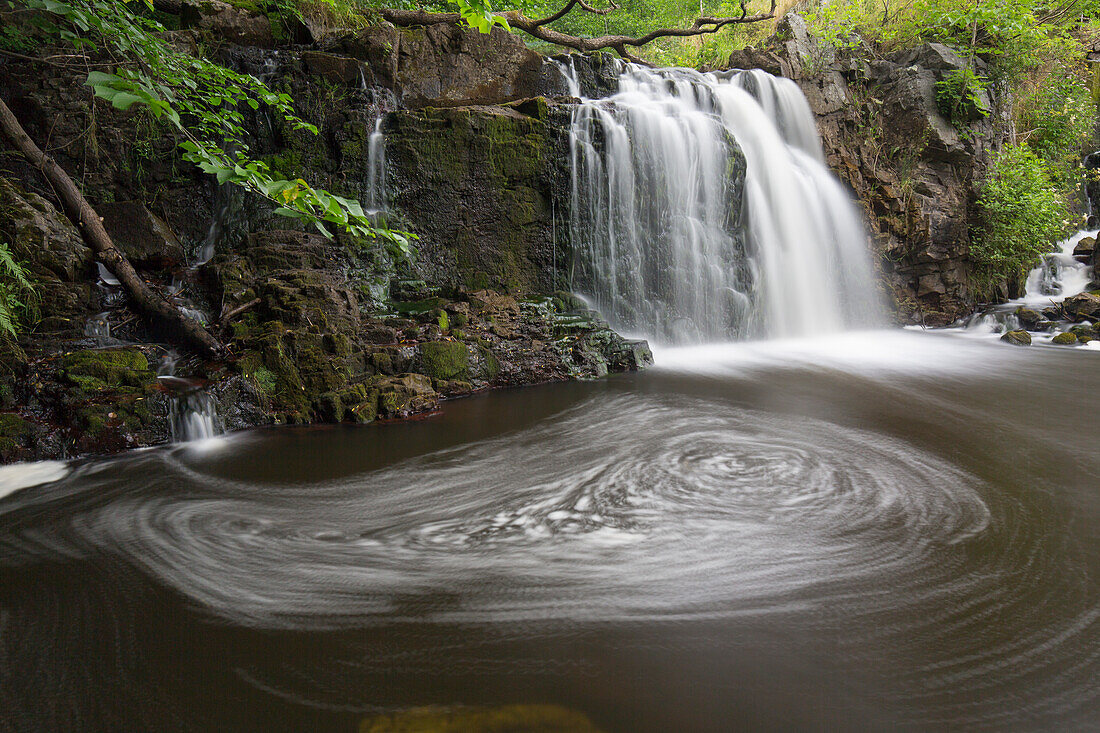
(93, 370)
(444, 360)
(1064, 339)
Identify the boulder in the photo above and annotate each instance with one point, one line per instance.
(1017, 338)
(404, 395)
(52, 250)
(1028, 318)
(447, 65)
(1064, 339)
(1052, 313)
(1083, 251)
(1081, 306)
(234, 24)
(141, 235)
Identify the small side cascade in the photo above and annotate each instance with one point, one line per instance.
(99, 328)
(377, 197)
(1061, 275)
(193, 416)
(192, 411)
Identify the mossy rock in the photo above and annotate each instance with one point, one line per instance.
(1017, 338)
(13, 430)
(504, 719)
(444, 360)
(93, 370)
(1064, 339)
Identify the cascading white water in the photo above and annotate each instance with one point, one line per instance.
(376, 169)
(702, 210)
(1059, 276)
(193, 416)
(192, 411)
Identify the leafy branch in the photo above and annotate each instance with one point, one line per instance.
(204, 102)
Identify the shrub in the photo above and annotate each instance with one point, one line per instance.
(960, 97)
(1023, 214)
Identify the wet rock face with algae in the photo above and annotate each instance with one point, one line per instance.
(317, 351)
(328, 331)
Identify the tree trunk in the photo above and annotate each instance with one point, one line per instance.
(84, 216)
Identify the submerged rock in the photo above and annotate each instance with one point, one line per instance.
(531, 718)
(1018, 337)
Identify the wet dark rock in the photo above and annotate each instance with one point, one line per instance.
(60, 264)
(1085, 334)
(1084, 249)
(1028, 318)
(232, 23)
(449, 65)
(1017, 338)
(1064, 339)
(1052, 313)
(481, 183)
(1081, 306)
(141, 235)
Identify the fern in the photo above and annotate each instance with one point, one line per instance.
(16, 293)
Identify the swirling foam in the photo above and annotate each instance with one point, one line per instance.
(625, 508)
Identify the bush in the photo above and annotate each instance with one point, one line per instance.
(1023, 215)
(960, 97)
(1055, 118)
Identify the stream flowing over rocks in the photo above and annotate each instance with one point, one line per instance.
(782, 516)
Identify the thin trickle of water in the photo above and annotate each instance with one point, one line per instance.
(702, 210)
(99, 328)
(376, 169)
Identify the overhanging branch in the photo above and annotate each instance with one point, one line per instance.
(538, 28)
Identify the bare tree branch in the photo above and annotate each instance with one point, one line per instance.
(537, 28)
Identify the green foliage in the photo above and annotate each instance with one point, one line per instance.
(205, 103)
(1054, 117)
(479, 14)
(960, 97)
(16, 293)
(1023, 215)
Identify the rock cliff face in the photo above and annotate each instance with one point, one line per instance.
(915, 173)
(318, 330)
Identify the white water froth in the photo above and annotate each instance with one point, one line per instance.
(1058, 277)
(25, 475)
(669, 246)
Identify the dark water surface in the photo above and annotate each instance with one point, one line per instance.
(879, 531)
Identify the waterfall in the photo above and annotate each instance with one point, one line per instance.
(702, 210)
(192, 411)
(376, 169)
(193, 416)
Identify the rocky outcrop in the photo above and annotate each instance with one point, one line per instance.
(319, 331)
(316, 355)
(915, 172)
(450, 65)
